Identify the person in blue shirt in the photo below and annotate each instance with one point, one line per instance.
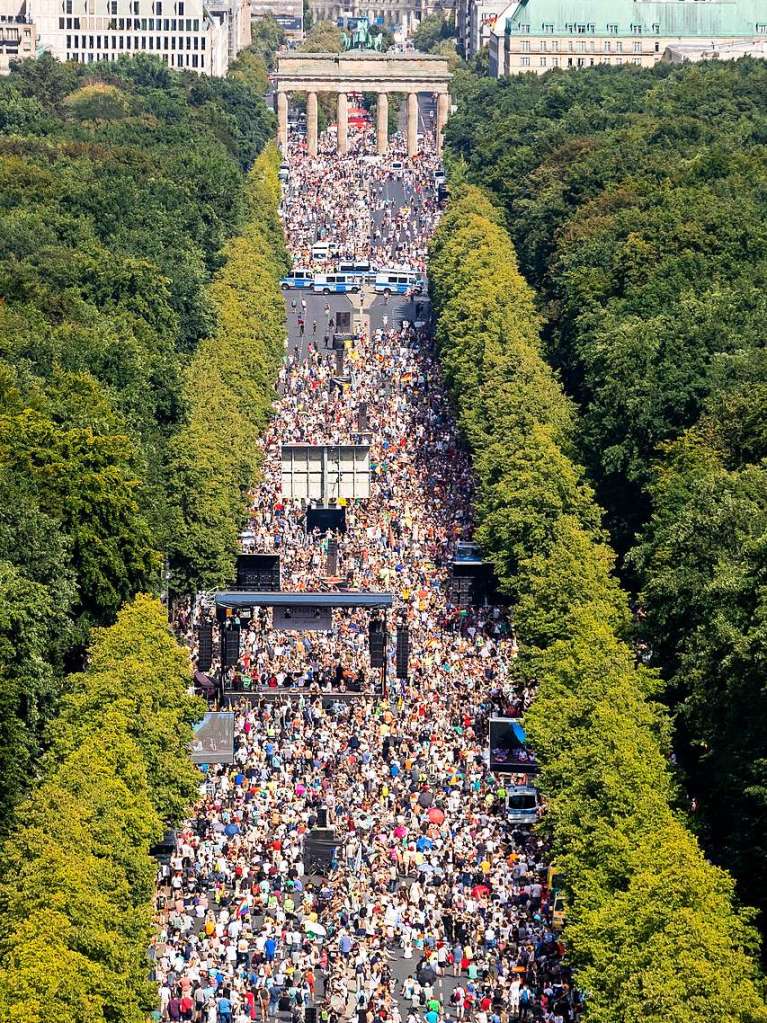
(269, 949)
(432, 1016)
(224, 1007)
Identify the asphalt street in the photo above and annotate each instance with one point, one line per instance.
(317, 311)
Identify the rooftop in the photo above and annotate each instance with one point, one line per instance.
(707, 19)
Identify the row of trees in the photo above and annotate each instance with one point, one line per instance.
(637, 200)
(120, 186)
(141, 326)
(77, 884)
(654, 929)
(229, 390)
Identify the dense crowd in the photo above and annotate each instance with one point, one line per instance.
(346, 201)
(432, 905)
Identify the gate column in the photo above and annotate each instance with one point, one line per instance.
(343, 123)
(443, 100)
(412, 124)
(282, 121)
(311, 123)
(382, 123)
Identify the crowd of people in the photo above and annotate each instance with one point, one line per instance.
(426, 905)
(348, 202)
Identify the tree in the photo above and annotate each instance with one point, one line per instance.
(96, 102)
(121, 186)
(85, 475)
(138, 670)
(670, 947)
(636, 200)
(229, 386)
(250, 68)
(324, 37)
(77, 879)
(28, 681)
(601, 736)
(267, 37)
(432, 31)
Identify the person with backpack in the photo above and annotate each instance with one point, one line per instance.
(526, 1002)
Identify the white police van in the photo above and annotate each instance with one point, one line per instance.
(398, 282)
(297, 279)
(335, 284)
(363, 271)
(324, 250)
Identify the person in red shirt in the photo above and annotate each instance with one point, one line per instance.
(250, 1003)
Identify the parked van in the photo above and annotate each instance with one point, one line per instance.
(522, 803)
(297, 279)
(352, 267)
(398, 282)
(362, 271)
(324, 250)
(335, 284)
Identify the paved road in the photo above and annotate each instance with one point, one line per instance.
(382, 312)
(426, 107)
(322, 308)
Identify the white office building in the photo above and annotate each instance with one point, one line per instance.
(187, 34)
(17, 33)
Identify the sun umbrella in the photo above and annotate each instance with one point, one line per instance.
(436, 816)
(424, 843)
(400, 831)
(425, 799)
(231, 829)
(479, 890)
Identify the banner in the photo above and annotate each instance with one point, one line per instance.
(213, 741)
(508, 748)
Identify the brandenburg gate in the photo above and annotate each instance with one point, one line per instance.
(362, 71)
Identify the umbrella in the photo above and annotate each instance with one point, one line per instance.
(424, 843)
(400, 831)
(232, 829)
(312, 927)
(479, 890)
(427, 975)
(436, 816)
(425, 799)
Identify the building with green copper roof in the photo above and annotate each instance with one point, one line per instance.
(680, 18)
(536, 35)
